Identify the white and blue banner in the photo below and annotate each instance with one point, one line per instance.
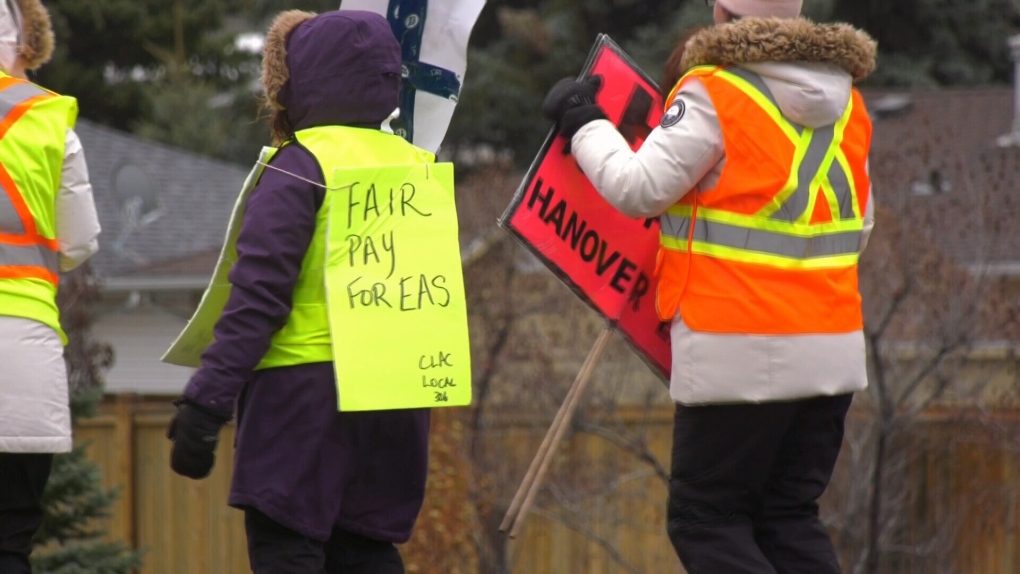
(433, 36)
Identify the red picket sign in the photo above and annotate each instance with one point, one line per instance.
(605, 257)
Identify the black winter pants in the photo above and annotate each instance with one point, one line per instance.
(276, 549)
(745, 482)
(23, 477)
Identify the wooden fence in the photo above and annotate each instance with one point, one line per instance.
(183, 525)
(186, 526)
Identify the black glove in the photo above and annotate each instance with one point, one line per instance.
(195, 432)
(571, 104)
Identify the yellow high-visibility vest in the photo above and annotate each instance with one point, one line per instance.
(33, 132)
(305, 336)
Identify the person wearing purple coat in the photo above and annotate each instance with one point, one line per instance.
(322, 490)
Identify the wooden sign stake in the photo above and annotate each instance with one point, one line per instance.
(533, 479)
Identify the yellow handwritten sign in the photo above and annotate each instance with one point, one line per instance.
(395, 289)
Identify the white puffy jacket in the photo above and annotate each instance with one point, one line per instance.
(34, 411)
(688, 156)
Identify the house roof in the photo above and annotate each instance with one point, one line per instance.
(935, 160)
(190, 272)
(190, 264)
(155, 202)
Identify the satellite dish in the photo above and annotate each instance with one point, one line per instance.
(136, 194)
(131, 181)
(139, 203)
(891, 105)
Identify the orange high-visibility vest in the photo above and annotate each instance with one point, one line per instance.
(33, 132)
(773, 248)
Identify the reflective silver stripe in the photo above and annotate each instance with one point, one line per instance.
(10, 222)
(796, 204)
(759, 84)
(29, 256)
(18, 93)
(749, 237)
(841, 185)
(761, 241)
(675, 225)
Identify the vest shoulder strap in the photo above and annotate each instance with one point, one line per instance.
(695, 72)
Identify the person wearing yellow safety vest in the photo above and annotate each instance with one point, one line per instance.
(319, 488)
(48, 225)
(758, 174)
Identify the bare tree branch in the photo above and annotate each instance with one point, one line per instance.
(637, 448)
(591, 535)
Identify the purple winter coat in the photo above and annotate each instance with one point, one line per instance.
(297, 459)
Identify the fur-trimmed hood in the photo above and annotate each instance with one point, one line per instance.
(754, 40)
(809, 68)
(36, 45)
(274, 53)
(26, 33)
(335, 68)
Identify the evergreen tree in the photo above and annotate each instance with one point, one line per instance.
(167, 70)
(107, 51)
(70, 540)
(934, 43)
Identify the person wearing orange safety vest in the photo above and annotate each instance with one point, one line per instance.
(48, 224)
(758, 174)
